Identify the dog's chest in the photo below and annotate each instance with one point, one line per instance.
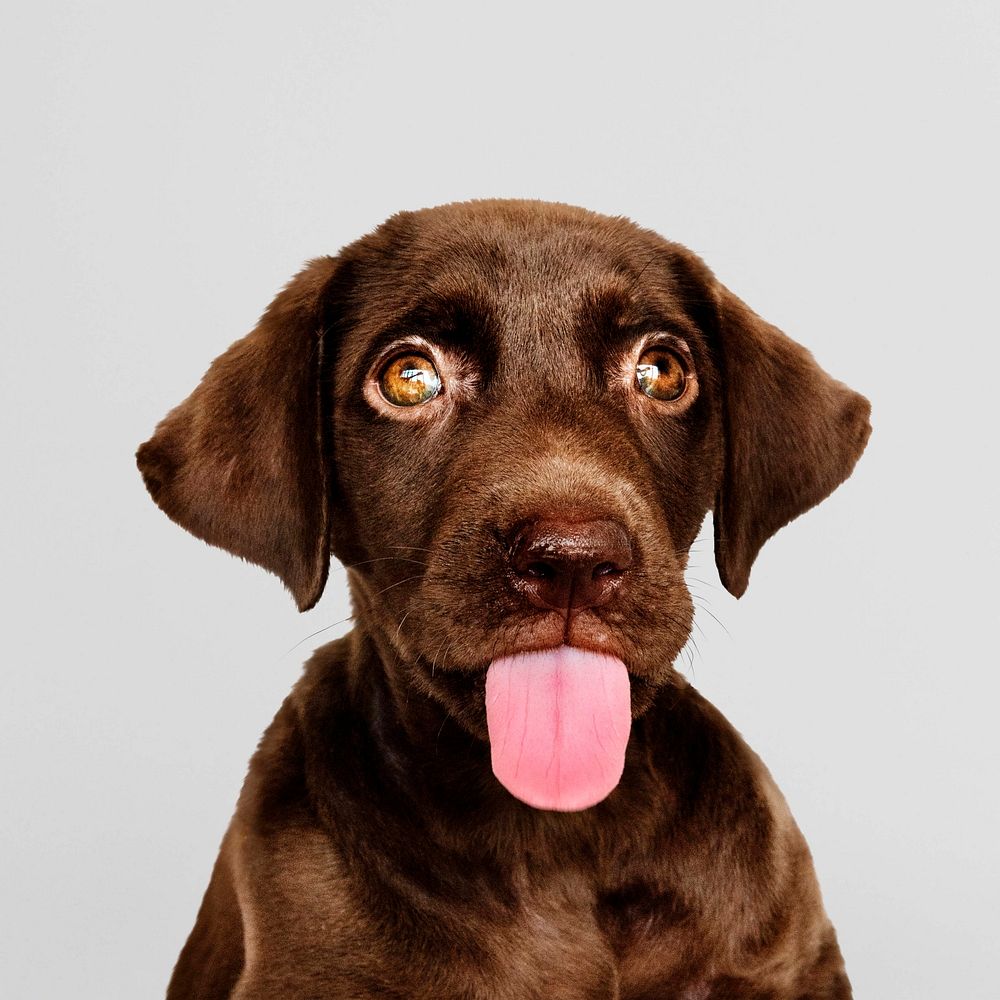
(601, 945)
(610, 945)
(565, 941)
(561, 940)
(547, 936)
(551, 946)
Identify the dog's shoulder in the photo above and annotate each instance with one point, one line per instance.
(723, 801)
(703, 755)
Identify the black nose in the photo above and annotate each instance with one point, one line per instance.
(570, 565)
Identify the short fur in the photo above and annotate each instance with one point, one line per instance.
(373, 853)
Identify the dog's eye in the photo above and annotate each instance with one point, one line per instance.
(409, 379)
(661, 374)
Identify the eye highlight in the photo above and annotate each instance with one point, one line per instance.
(661, 374)
(409, 380)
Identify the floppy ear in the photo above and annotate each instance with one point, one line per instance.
(241, 463)
(792, 436)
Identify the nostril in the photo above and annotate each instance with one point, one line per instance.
(606, 569)
(539, 571)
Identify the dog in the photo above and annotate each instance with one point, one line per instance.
(508, 420)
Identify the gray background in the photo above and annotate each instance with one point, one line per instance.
(166, 169)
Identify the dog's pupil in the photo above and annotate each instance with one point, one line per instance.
(660, 375)
(410, 379)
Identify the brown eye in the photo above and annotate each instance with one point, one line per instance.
(661, 374)
(409, 379)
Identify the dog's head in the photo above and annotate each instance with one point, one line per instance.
(508, 419)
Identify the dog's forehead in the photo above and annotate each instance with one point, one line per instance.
(538, 272)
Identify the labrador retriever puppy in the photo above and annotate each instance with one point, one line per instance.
(508, 419)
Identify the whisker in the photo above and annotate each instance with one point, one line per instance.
(398, 583)
(688, 654)
(448, 650)
(325, 628)
(442, 652)
(401, 620)
(708, 611)
(437, 653)
(691, 640)
(365, 562)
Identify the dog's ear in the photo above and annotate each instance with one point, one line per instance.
(792, 435)
(242, 462)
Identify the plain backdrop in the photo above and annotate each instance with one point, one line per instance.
(166, 168)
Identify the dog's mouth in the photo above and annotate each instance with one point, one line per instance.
(558, 722)
(554, 692)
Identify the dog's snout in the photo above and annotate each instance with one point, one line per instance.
(570, 565)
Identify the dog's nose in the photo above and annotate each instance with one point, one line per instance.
(570, 565)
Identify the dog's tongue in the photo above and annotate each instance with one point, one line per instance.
(558, 722)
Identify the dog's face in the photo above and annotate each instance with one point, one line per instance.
(529, 436)
(509, 420)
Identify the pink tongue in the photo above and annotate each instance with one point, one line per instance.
(558, 721)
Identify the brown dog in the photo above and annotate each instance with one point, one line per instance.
(508, 419)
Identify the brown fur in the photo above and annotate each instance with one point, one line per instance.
(373, 853)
